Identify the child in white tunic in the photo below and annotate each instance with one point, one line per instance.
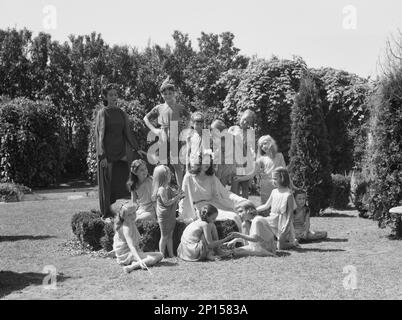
(282, 204)
(126, 241)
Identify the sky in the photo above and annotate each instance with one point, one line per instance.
(349, 35)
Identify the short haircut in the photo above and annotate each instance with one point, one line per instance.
(246, 205)
(207, 211)
(283, 177)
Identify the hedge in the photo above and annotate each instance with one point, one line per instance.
(32, 149)
(359, 187)
(340, 191)
(11, 192)
(90, 230)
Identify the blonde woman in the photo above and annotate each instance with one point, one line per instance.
(268, 159)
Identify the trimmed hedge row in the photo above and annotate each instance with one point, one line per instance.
(32, 149)
(11, 192)
(90, 230)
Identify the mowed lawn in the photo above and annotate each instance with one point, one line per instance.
(32, 234)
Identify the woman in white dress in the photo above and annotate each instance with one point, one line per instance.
(202, 187)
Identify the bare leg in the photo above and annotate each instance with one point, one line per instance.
(146, 216)
(162, 244)
(248, 251)
(316, 235)
(178, 171)
(170, 245)
(151, 259)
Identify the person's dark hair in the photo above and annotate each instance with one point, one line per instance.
(207, 211)
(196, 168)
(106, 89)
(132, 182)
(166, 85)
(299, 191)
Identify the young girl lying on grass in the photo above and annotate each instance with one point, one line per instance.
(200, 238)
(301, 220)
(126, 241)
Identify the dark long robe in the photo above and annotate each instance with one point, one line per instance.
(113, 142)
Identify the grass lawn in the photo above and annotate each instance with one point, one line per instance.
(31, 235)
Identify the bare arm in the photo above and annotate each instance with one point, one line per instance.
(100, 131)
(148, 121)
(207, 230)
(162, 193)
(265, 206)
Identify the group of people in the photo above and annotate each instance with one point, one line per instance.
(201, 196)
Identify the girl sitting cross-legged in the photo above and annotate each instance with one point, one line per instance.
(259, 240)
(200, 238)
(126, 241)
(281, 204)
(301, 219)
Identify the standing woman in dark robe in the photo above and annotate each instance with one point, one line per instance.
(115, 148)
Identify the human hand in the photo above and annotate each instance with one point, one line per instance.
(142, 264)
(231, 244)
(235, 234)
(103, 163)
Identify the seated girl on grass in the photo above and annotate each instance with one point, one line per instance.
(301, 219)
(200, 238)
(259, 240)
(126, 241)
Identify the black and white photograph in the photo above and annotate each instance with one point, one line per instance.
(225, 151)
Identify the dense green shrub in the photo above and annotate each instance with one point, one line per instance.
(340, 191)
(267, 87)
(359, 189)
(12, 192)
(32, 148)
(343, 98)
(309, 152)
(91, 230)
(88, 227)
(383, 159)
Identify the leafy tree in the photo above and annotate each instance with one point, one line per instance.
(309, 151)
(267, 87)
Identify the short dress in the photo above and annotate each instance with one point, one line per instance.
(260, 226)
(166, 214)
(145, 203)
(190, 250)
(279, 214)
(267, 167)
(120, 247)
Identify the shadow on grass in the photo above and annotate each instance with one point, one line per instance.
(13, 281)
(324, 240)
(25, 237)
(304, 250)
(336, 215)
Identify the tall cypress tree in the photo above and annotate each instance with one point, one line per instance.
(310, 166)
